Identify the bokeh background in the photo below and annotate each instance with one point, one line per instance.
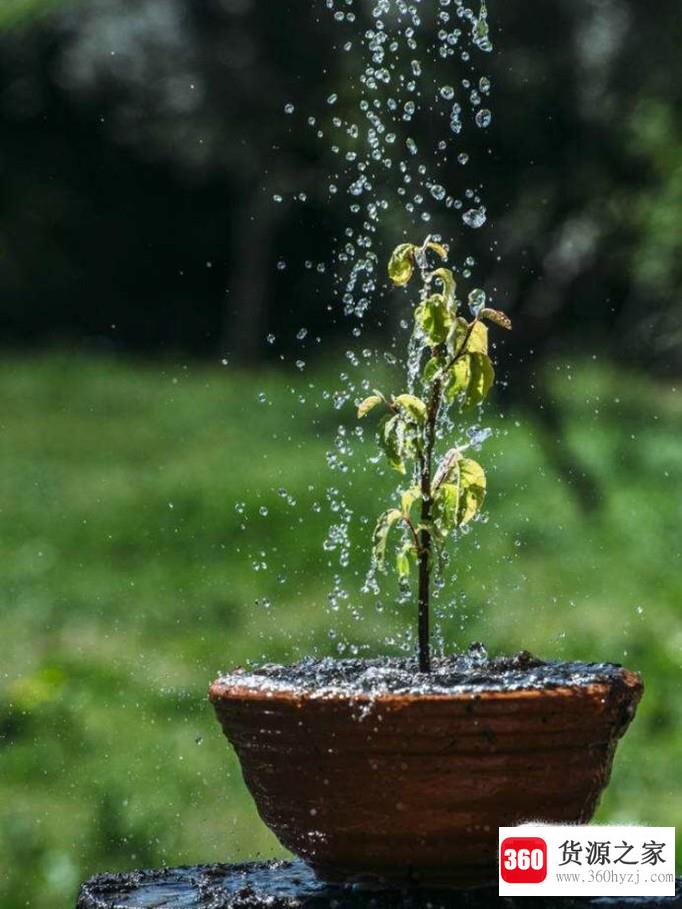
(147, 425)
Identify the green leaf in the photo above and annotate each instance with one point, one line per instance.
(470, 379)
(408, 498)
(447, 279)
(447, 468)
(472, 486)
(478, 339)
(499, 318)
(435, 319)
(401, 264)
(381, 531)
(438, 248)
(446, 506)
(402, 560)
(368, 404)
(413, 406)
(481, 380)
(391, 438)
(459, 377)
(432, 368)
(457, 336)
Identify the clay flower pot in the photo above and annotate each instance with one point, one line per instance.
(412, 787)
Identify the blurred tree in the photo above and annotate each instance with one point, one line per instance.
(145, 141)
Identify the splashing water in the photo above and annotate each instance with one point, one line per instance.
(414, 103)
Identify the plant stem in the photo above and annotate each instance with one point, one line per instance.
(425, 540)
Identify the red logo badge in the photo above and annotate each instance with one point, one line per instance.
(523, 860)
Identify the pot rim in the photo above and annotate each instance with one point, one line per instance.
(224, 688)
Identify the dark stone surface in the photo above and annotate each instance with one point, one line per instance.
(291, 885)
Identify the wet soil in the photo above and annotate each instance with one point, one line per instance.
(471, 671)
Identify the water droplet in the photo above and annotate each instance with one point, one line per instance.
(477, 300)
(301, 334)
(263, 511)
(483, 118)
(333, 98)
(475, 217)
(438, 192)
(289, 108)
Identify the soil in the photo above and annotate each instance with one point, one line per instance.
(471, 671)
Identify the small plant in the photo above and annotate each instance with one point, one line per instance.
(456, 374)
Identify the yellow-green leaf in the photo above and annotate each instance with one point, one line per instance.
(435, 319)
(472, 486)
(401, 264)
(432, 368)
(368, 404)
(402, 560)
(446, 506)
(459, 377)
(470, 379)
(413, 406)
(457, 335)
(438, 248)
(391, 438)
(481, 379)
(478, 339)
(408, 498)
(447, 279)
(381, 531)
(499, 318)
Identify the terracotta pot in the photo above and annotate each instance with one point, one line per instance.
(412, 788)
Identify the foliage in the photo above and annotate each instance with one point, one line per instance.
(446, 492)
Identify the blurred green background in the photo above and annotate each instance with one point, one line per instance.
(162, 515)
(129, 582)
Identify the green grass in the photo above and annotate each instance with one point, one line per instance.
(128, 581)
(15, 13)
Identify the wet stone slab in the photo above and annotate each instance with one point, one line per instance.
(291, 885)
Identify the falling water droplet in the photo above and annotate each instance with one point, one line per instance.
(475, 217)
(477, 300)
(483, 118)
